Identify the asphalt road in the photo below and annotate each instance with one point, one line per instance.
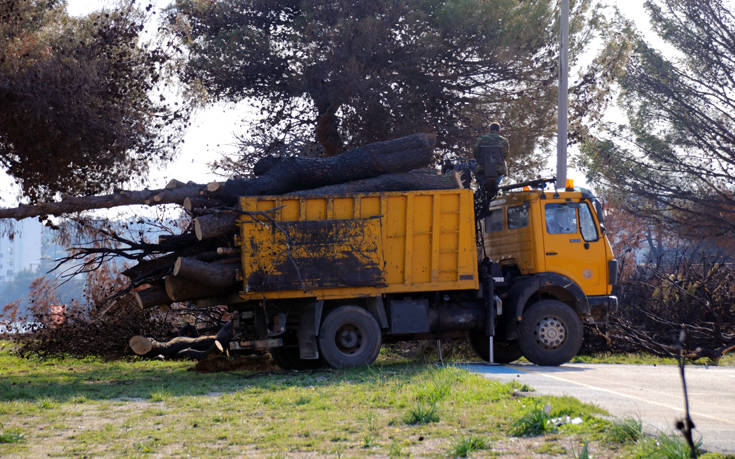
(651, 393)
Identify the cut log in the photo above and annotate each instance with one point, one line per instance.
(210, 274)
(150, 347)
(179, 289)
(170, 242)
(224, 336)
(151, 270)
(215, 225)
(298, 173)
(420, 179)
(154, 295)
(193, 204)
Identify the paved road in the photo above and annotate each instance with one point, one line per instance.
(651, 393)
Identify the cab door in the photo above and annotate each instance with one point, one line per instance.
(573, 245)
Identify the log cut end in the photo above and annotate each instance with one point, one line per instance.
(198, 230)
(140, 345)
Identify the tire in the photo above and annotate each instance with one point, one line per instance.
(550, 333)
(503, 352)
(288, 358)
(349, 337)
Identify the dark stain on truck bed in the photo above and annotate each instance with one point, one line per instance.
(316, 254)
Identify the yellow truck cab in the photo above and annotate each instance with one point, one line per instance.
(554, 256)
(328, 278)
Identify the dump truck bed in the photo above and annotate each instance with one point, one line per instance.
(348, 246)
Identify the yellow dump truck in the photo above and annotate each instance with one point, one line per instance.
(328, 279)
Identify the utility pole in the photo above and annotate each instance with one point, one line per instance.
(562, 106)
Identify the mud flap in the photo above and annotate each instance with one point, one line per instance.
(309, 329)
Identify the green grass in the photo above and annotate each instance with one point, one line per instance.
(66, 406)
(665, 446)
(648, 359)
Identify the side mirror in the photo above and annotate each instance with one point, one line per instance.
(602, 228)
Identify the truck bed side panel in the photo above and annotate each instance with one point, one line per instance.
(357, 245)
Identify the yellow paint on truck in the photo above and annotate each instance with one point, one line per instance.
(366, 244)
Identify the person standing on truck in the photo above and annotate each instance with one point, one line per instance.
(490, 152)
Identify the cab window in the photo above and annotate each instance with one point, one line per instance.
(587, 223)
(494, 221)
(518, 217)
(561, 218)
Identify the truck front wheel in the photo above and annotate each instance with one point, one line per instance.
(349, 337)
(550, 333)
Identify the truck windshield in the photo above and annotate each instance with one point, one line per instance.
(561, 219)
(587, 223)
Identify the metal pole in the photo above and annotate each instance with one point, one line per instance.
(561, 140)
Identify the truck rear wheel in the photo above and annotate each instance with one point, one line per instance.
(349, 337)
(550, 333)
(503, 352)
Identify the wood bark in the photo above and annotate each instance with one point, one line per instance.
(210, 274)
(154, 295)
(214, 225)
(180, 289)
(419, 179)
(298, 173)
(200, 204)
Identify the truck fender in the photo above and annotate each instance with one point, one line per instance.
(555, 285)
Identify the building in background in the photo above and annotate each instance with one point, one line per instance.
(22, 251)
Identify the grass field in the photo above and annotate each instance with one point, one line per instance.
(68, 406)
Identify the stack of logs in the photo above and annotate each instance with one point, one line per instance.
(203, 263)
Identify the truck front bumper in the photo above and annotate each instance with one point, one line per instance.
(602, 306)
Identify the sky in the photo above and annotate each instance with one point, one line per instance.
(213, 129)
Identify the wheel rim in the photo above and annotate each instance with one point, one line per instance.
(550, 332)
(349, 339)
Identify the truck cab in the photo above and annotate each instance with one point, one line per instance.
(552, 251)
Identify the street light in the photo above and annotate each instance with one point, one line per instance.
(562, 106)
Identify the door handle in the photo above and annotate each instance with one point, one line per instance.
(551, 253)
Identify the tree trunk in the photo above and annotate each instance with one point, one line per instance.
(210, 274)
(299, 173)
(214, 225)
(419, 179)
(200, 204)
(120, 198)
(154, 295)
